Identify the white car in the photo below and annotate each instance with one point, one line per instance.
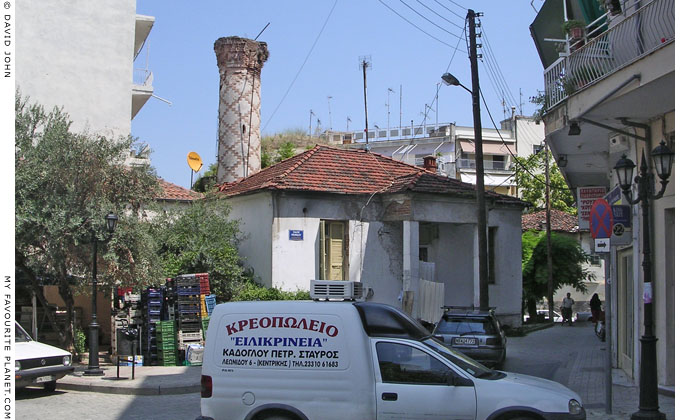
(557, 317)
(37, 363)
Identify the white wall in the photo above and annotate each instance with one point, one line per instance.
(78, 54)
(255, 213)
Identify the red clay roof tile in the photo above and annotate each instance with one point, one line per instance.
(339, 171)
(176, 193)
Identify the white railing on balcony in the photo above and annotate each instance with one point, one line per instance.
(489, 165)
(644, 31)
(143, 77)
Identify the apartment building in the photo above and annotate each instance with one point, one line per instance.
(610, 94)
(453, 148)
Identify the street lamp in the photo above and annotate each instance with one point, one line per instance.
(94, 369)
(663, 162)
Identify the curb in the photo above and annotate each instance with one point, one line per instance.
(105, 389)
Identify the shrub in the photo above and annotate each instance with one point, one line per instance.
(253, 291)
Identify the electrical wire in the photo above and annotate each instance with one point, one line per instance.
(511, 153)
(440, 4)
(439, 15)
(429, 20)
(302, 66)
(420, 29)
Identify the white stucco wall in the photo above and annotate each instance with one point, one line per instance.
(506, 293)
(78, 54)
(255, 213)
(453, 253)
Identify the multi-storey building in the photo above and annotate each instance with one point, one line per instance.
(80, 55)
(453, 148)
(610, 92)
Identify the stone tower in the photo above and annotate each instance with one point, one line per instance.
(239, 110)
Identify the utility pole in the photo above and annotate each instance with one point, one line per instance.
(400, 134)
(388, 105)
(549, 256)
(330, 120)
(311, 113)
(364, 63)
(479, 163)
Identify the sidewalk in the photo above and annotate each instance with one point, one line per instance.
(148, 380)
(587, 378)
(626, 400)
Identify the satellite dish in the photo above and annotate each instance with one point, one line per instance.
(194, 161)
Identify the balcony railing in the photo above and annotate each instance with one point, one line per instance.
(644, 31)
(489, 165)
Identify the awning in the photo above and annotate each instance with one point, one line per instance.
(467, 146)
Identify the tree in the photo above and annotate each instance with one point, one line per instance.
(207, 180)
(65, 184)
(568, 263)
(201, 238)
(531, 183)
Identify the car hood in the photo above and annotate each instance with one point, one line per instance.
(540, 383)
(34, 349)
(516, 390)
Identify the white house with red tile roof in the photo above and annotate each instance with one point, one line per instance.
(354, 215)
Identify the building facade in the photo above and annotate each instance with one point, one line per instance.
(80, 55)
(453, 148)
(610, 92)
(408, 234)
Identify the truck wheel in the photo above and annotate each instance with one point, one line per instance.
(50, 386)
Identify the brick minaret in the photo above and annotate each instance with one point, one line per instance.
(239, 110)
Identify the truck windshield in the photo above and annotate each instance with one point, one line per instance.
(463, 362)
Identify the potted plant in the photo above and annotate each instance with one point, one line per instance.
(575, 29)
(613, 6)
(79, 343)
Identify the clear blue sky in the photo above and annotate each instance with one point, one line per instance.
(181, 57)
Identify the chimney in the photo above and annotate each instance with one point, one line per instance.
(430, 164)
(239, 110)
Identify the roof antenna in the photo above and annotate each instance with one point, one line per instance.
(262, 31)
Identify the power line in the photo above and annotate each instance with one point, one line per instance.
(420, 29)
(429, 20)
(302, 66)
(511, 153)
(439, 15)
(440, 4)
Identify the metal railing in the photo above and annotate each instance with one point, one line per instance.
(489, 165)
(644, 31)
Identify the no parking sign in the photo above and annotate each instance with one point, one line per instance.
(600, 219)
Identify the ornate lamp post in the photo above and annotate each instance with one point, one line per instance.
(94, 368)
(663, 163)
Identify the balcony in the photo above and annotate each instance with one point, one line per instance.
(641, 33)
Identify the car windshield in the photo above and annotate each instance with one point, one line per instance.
(20, 336)
(465, 326)
(460, 360)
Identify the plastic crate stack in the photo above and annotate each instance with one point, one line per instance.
(210, 302)
(187, 310)
(204, 326)
(165, 343)
(151, 307)
(168, 301)
(205, 288)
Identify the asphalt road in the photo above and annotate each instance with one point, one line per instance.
(36, 404)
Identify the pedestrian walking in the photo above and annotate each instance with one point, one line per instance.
(567, 309)
(595, 306)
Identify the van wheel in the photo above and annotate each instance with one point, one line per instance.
(50, 386)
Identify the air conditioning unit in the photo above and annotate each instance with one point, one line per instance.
(335, 290)
(618, 143)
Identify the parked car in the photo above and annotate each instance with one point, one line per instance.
(475, 333)
(557, 317)
(37, 363)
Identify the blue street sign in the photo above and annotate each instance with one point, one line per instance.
(296, 235)
(621, 215)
